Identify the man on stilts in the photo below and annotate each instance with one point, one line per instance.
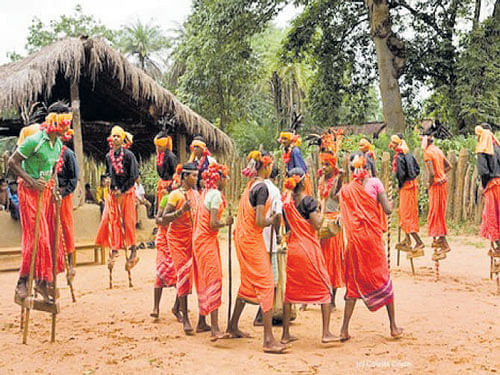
(34, 163)
(406, 168)
(488, 163)
(292, 156)
(117, 228)
(201, 157)
(437, 167)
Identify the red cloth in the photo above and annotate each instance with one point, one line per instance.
(436, 218)
(408, 207)
(119, 216)
(257, 284)
(490, 223)
(28, 199)
(366, 270)
(308, 185)
(307, 280)
(207, 262)
(68, 229)
(333, 250)
(180, 243)
(165, 269)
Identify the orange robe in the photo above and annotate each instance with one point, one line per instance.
(117, 227)
(366, 270)
(490, 222)
(165, 269)
(307, 280)
(28, 199)
(180, 243)
(438, 193)
(408, 207)
(257, 284)
(207, 262)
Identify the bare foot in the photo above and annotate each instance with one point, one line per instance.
(238, 334)
(155, 314)
(344, 336)
(329, 337)
(288, 339)
(203, 328)
(177, 314)
(274, 347)
(396, 332)
(188, 330)
(219, 336)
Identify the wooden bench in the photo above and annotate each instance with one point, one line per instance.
(99, 253)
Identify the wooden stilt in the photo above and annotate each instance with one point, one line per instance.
(389, 219)
(399, 240)
(32, 264)
(230, 273)
(54, 262)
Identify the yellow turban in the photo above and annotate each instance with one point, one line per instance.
(26, 132)
(485, 141)
(129, 138)
(365, 145)
(118, 130)
(400, 143)
(164, 142)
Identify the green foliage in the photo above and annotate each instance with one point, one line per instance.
(143, 41)
(149, 176)
(41, 34)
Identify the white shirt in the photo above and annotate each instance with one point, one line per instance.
(139, 191)
(276, 208)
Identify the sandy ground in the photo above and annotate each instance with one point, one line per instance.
(451, 327)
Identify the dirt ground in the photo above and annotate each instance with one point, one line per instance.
(451, 327)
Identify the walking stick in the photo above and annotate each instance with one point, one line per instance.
(68, 278)
(32, 263)
(111, 260)
(389, 219)
(54, 262)
(229, 271)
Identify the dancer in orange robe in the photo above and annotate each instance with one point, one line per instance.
(333, 248)
(117, 228)
(166, 162)
(488, 162)
(406, 168)
(366, 268)
(292, 157)
(437, 167)
(166, 275)
(307, 280)
(33, 162)
(180, 212)
(206, 251)
(257, 284)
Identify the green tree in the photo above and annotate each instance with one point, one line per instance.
(220, 64)
(42, 34)
(143, 42)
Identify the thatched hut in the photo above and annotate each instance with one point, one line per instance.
(104, 89)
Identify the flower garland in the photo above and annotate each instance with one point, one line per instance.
(117, 163)
(324, 189)
(60, 161)
(160, 157)
(287, 156)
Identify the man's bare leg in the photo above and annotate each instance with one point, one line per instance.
(176, 309)
(333, 306)
(286, 337)
(156, 308)
(348, 310)
(395, 330)
(445, 247)
(186, 324)
(270, 345)
(216, 333)
(327, 336)
(418, 241)
(233, 328)
(202, 325)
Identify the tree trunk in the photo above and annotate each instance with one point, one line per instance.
(79, 195)
(477, 14)
(390, 60)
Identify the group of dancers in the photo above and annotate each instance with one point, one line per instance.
(332, 242)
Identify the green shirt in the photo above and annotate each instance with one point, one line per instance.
(39, 155)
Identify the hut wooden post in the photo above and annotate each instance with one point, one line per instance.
(181, 143)
(78, 142)
(386, 169)
(459, 184)
(451, 184)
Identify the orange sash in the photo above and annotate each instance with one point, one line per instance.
(436, 219)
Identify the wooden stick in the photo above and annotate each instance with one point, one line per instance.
(389, 219)
(68, 279)
(54, 263)
(399, 241)
(32, 263)
(124, 247)
(230, 294)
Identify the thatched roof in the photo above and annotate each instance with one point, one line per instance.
(111, 91)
